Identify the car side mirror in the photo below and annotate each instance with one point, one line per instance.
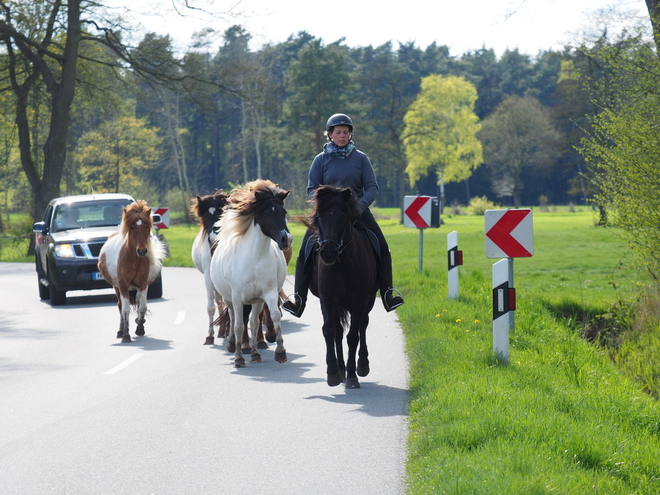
(39, 228)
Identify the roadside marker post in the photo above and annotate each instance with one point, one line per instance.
(509, 234)
(421, 212)
(454, 260)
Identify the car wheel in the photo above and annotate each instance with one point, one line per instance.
(155, 290)
(57, 297)
(44, 293)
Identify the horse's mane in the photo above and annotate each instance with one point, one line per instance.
(132, 213)
(202, 205)
(325, 197)
(246, 202)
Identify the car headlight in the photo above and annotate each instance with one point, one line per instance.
(64, 251)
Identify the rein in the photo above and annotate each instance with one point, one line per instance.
(339, 245)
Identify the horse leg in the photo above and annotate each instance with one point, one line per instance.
(276, 316)
(255, 324)
(210, 310)
(363, 353)
(237, 324)
(352, 339)
(264, 317)
(329, 330)
(141, 298)
(120, 332)
(125, 313)
(271, 334)
(245, 342)
(231, 341)
(339, 348)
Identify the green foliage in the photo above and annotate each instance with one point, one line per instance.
(440, 130)
(624, 148)
(480, 204)
(519, 134)
(117, 156)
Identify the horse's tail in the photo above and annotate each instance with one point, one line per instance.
(223, 322)
(132, 298)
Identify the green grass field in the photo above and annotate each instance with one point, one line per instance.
(560, 417)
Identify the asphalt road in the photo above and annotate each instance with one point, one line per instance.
(82, 413)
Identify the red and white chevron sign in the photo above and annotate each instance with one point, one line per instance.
(417, 211)
(509, 233)
(164, 217)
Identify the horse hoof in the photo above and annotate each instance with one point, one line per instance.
(246, 350)
(120, 334)
(209, 341)
(126, 338)
(231, 347)
(334, 380)
(363, 370)
(271, 336)
(262, 345)
(239, 363)
(256, 358)
(139, 332)
(352, 383)
(280, 357)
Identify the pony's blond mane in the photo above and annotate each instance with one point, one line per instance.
(244, 204)
(132, 213)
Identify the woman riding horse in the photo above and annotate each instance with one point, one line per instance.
(342, 164)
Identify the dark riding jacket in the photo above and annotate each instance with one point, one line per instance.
(354, 171)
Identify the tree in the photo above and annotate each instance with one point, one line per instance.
(623, 147)
(440, 131)
(117, 156)
(518, 136)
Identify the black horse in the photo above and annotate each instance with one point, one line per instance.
(344, 278)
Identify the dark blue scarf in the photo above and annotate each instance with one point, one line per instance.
(331, 149)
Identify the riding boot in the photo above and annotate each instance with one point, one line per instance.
(391, 297)
(301, 286)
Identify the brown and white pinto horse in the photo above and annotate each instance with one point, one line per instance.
(130, 260)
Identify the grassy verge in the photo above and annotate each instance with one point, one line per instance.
(560, 418)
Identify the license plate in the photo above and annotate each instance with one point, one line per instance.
(97, 276)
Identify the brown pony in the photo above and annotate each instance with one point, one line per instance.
(130, 260)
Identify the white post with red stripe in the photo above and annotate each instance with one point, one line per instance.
(504, 303)
(454, 260)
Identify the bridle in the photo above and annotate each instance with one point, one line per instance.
(340, 246)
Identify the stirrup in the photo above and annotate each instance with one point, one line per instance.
(295, 308)
(396, 300)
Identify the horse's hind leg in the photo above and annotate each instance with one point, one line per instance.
(255, 326)
(276, 316)
(271, 333)
(245, 341)
(352, 339)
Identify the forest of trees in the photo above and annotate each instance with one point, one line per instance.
(166, 126)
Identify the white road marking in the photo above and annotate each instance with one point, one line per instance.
(180, 316)
(123, 365)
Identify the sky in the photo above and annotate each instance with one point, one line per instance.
(527, 25)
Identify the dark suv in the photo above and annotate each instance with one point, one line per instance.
(68, 241)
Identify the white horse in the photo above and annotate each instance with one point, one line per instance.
(248, 266)
(208, 210)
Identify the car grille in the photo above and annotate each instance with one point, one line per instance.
(88, 250)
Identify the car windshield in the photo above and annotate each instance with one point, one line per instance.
(90, 214)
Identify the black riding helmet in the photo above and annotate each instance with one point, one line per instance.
(338, 119)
